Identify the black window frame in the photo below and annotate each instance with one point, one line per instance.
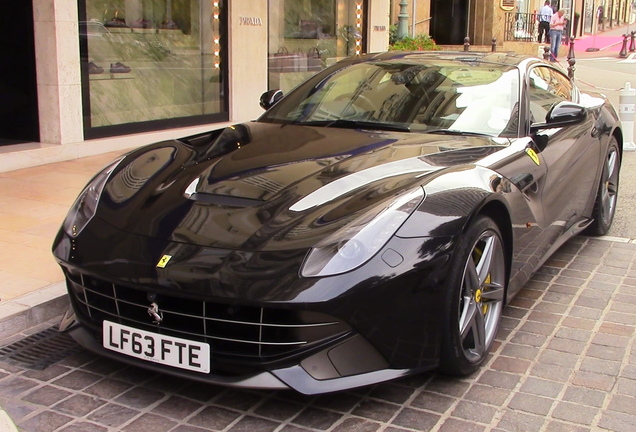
(91, 132)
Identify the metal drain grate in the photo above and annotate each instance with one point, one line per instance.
(39, 350)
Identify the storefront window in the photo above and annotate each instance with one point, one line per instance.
(152, 63)
(306, 36)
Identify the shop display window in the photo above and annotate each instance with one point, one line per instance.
(152, 61)
(305, 36)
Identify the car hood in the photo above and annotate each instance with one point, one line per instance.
(261, 186)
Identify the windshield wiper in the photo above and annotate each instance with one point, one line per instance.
(356, 124)
(456, 132)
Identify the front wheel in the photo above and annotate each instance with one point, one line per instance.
(475, 298)
(607, 195)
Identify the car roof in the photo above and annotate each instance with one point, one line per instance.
(501, 58)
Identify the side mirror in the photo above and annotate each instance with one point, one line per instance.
(269, 98)
(560, 115)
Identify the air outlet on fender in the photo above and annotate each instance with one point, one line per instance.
(39, 350)
(224, 200)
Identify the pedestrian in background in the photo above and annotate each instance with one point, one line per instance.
(545, 14)
(557, 24)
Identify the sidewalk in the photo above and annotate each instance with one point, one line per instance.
(33, 203)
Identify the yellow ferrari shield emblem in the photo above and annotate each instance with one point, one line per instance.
(533, 155)
(164, 261)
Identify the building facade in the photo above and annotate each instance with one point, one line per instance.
(448, 22)
(91, 76)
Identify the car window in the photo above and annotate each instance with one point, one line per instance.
(546, 87)
(445, 95)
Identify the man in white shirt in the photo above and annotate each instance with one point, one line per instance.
(545, 14)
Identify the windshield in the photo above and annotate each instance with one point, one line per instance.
(446, 96)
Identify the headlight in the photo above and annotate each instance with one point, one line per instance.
(84, 207)
(355, 243)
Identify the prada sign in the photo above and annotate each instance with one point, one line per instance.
(250, 21)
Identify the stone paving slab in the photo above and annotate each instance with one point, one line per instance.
(564, 360)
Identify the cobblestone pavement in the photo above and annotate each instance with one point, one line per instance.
(564, 360)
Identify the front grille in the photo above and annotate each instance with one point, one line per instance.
(231, 330)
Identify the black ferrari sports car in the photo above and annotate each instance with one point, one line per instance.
(373, 223)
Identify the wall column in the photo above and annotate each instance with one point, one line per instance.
(378, 26)
(247, 57)
(58, 71)
(487, 21)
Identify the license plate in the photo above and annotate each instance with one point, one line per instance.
(154, 347)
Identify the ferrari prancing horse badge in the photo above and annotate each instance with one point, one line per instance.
(164, 261)
(533, 155)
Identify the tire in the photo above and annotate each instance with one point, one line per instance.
(475, 298)
(607, 194)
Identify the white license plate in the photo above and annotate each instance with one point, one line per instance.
(166, 350)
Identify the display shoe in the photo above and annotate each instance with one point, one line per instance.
(116, 22)
(169, 25)
(94, 69)
(119, 68)
(142, 23)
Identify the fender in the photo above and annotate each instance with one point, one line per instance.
(446, 212)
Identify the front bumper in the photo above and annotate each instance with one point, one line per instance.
(349, 354)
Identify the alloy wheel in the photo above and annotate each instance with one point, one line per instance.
(482, 296)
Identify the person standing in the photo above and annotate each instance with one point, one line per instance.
(545, 14)
(557, 24)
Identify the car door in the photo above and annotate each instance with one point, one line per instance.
(571, 154)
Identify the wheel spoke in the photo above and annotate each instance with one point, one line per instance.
(608, 194)
(605, 204)
(612, 165)
(472, 279)
(473, 329)
(494, 293)
(479, 334)
(485, 262)
(468, 318)
(612, 174)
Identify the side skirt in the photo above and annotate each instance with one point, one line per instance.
(574, 230)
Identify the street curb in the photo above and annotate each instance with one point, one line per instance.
(6, 425)
(30, 310)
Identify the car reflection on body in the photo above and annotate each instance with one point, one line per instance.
(371, 224)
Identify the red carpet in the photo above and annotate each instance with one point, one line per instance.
(604, 43)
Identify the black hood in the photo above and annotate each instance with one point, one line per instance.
(261, 186)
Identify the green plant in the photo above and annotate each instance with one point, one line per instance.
(393, 34)
(418, 43)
